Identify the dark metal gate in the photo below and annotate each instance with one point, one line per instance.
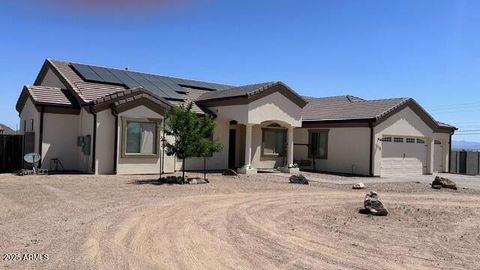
(12, 150)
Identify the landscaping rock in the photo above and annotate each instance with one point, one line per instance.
(298, 179)
(443, 182)
(358, 185)
(196, 181)
(373, 205)
(230, 172)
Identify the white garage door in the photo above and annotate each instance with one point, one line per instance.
(438, 157)
(402, 156)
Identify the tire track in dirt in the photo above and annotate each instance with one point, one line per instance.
(245, 224)
(265, 231)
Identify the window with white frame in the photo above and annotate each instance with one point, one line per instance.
(141, 137)
(274, 141)
(420, 141)
(318, 139)
(398, 140)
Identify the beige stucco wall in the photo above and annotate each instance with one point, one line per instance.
(274, 107)
(232, 112)
(52, 80)
(105, 143)
(445, 139)
(258, 160)
(60, 133)
(28, 113)
(140, 165)
(85, 127)
(348, 149)
(219, 160)
(407, 123)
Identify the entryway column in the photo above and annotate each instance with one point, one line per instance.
(289, 167)
(290, 147)
(248, 168)
(431, 157)
(248, 145)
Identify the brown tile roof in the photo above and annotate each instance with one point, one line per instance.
(348, 108)
(445, 125)
(252, 90)
(51, 95)
(246, 90)
(87, 91)
(91, 91)
(46, 95)
(192, 95)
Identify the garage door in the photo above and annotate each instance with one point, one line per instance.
(402, 156)
(438, 157)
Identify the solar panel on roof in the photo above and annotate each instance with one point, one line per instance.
(123, 76)
(87, 73)
(157, 82)
(106, 75)
(166, 83)
(160, 83)
(149, 85)
(166, 87)
(173, 85)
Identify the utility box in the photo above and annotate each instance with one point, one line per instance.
(85, 143)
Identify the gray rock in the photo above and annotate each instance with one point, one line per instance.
(373, 205)
(230, 172)
(298, 179)
(358, 185)
(443, 182)
(197, 181)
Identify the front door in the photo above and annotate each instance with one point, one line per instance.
(231, 149)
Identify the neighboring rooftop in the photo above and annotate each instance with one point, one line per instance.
(5, 130)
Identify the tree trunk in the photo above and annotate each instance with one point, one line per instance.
(183, 171)
(205, 168)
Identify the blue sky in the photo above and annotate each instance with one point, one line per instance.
(428, 50)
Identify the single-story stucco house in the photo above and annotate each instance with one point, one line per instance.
(108, 121)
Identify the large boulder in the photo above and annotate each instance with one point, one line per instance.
(442, 182)
(298, 179)
(373, 205)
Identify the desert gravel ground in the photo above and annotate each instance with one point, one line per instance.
(258, 222)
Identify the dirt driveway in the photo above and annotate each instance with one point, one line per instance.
(260, 222)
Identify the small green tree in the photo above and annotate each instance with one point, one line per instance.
(207, 145)
(192, 134)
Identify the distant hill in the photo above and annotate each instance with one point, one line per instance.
(4, 129)
(459, 145)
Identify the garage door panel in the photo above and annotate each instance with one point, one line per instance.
(403, 158)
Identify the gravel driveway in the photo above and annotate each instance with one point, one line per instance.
(256, 222)
(463, 181)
